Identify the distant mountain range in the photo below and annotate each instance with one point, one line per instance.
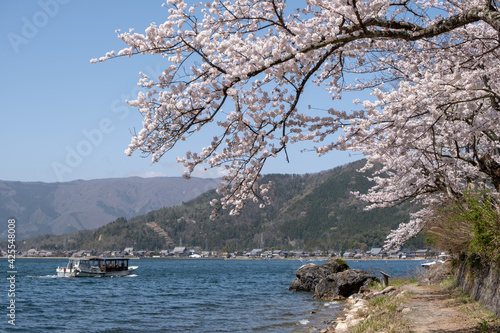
(61, 208)
(309, 212)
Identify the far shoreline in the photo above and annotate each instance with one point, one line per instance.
(311, 259)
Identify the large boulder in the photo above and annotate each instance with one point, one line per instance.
(334, 266)
(343, 284)
(309, 275)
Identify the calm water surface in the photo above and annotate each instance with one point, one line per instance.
(174, 296)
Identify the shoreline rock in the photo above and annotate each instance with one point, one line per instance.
(343, 284)
(309, 275)
(332, 281)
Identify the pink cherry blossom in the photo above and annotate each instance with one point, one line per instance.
(432, 68)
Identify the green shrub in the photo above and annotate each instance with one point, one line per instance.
(470, 228)
(481, 211)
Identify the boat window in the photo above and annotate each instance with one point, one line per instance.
(84, 263)
(110, 265)
(123, 264)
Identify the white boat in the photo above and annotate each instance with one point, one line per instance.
(442, 258)
(96, 267)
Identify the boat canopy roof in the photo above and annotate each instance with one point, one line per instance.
(108, 258)
(100, 258)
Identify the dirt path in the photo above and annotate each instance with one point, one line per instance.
(432, 310)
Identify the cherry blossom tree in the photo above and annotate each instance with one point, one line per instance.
(432, 68)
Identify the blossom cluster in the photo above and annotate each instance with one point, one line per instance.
(242, 66)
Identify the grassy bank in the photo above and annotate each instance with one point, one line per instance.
(383, 313)
(397, 311)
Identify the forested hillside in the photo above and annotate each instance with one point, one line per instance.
(312, 211)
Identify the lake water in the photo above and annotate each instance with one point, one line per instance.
(173, 296)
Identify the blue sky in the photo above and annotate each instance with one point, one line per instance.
(63, 118)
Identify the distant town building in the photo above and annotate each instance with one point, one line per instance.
(179, 250)
(256, 253)
(422, 253)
